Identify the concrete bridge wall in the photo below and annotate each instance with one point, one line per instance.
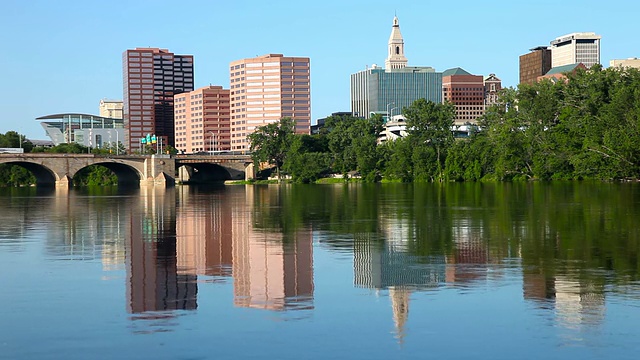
(60, 169)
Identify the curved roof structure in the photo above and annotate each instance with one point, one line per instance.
(71, 127)
(66, 115)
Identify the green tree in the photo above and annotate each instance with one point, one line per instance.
(429, 133)
(270, 143)
(399, 163)
(601, 113)
(307, 159)
(339, 138)
(353, 146)
(12, 139)
(505, 132)
(68, 148)
(95, 175)
(15, 175)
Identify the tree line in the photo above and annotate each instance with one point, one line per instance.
(586, 126)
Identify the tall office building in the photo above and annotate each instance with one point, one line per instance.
(534, 64)
(576, 48)
(111, 109)
(151, 77)
(202, 120)
(466, 92)
(265, 89)
(389, 90)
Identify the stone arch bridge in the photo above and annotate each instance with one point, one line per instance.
(162, 170)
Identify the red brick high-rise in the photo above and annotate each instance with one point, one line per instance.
(466, 92)
(202, 120)
(151, 77)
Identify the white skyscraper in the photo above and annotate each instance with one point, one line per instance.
(576, 48)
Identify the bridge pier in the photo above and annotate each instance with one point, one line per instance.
(249, 172)
(64, 182)
(159, 170)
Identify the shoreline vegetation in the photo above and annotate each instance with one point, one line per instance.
(583, 127)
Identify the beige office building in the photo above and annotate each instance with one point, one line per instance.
(576, 48)
(202, 120)
(625, 63)
(111, 109)
(265, 89)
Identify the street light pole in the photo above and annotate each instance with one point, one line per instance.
(391, 103)
(391, 117)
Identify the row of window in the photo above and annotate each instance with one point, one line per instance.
(461, 103)
(268, 71)
(266, 64)
(187, 83)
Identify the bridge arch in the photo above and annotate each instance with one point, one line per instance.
(127, 175)
(44, 175)
(200, 173)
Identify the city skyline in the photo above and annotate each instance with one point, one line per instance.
(83, 47)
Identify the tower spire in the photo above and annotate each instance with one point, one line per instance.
(395, 58)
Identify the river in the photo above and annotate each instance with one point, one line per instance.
(359, 271)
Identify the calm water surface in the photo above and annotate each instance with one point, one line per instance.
(460, 271)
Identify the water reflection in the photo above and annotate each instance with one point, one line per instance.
(270, 271)
(153, 281)
(575, 303)
(566, 247)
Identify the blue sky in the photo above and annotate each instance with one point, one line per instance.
(64, 56)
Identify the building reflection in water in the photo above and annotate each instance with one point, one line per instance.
(270, 271)
(83, 230)
(153, 281)
(470, 257)
(387, 263)
(576, 304)
(203, 230)
(211, 234)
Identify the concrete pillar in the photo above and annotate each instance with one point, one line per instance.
(185, 173)
(159, 170)
(249, 172)
(64, 182)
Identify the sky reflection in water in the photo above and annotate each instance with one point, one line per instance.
(463, 270)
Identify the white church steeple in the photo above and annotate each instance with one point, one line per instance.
(395, 59)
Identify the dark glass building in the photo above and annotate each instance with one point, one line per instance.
(534, 64)
(151, 77)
